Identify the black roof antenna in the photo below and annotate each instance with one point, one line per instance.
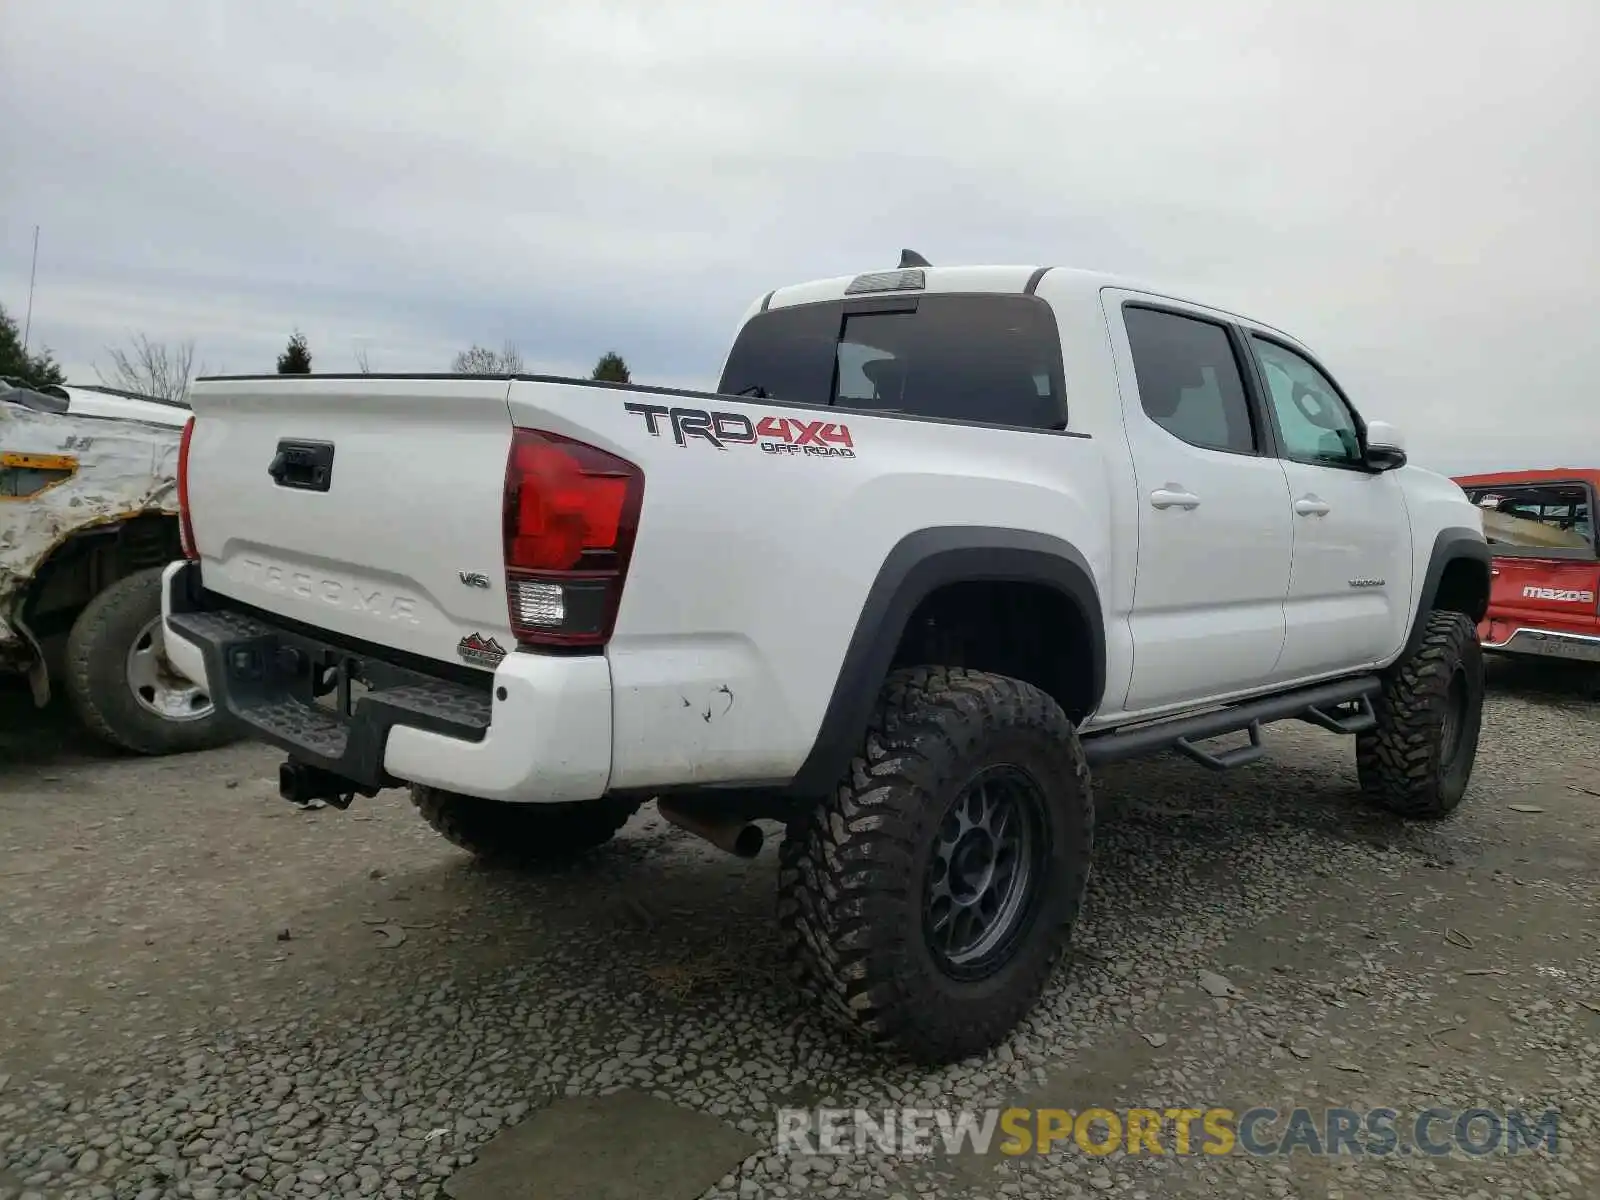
(910, 258)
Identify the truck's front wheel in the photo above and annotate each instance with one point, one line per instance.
(1419, 758)
(925, 902)
(521, 833)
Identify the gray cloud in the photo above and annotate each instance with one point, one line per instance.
(1412, 195)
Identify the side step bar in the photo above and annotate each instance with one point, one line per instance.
(1344, 706)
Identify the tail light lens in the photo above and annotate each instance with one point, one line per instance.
(571, 512)
(185, 527)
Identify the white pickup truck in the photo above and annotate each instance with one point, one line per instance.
(942, 539)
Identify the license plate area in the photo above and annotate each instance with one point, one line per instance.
(337, 685)
(1554, 647)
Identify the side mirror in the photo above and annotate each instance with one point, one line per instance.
(1385, 448)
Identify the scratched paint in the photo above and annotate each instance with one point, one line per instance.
(125, 468)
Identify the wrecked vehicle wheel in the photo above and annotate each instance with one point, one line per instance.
(119, 681)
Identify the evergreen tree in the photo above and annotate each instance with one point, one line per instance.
(31, 370)
(296, 358)
(611, 368)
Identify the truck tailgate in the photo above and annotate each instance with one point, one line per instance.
(370, 507)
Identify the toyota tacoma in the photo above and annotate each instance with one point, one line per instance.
(941, 541)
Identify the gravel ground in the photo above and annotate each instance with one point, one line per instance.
(207, 993)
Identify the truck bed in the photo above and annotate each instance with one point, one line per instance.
(763, 527)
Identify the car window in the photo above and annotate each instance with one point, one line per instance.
(785, 354)
(1189, 380)
(1533, 511)
(1316, 424)
(866, 375)
(991, 359)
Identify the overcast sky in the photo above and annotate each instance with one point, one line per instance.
(1413, 194)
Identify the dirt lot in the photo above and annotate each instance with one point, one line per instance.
(206, 992)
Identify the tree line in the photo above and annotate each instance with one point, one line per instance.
(166, 369)
(475, 360)
(17, 366)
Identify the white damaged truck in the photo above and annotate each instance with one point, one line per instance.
(942, 540)
(88, 517)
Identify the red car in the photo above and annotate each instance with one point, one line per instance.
(1545, 591)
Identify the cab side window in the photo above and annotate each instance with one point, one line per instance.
(1189, 380)
(1316, 424)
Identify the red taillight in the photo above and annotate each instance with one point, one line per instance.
(571, 511)
(185, 527)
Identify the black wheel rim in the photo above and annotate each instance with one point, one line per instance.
(1454, 725)
(987, 865)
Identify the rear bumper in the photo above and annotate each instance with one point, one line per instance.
(1549, 643)
(537, 730)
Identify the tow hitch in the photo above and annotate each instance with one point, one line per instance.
(301, 783)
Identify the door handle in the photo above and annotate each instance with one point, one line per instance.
(1173, 496)
(1312, 506)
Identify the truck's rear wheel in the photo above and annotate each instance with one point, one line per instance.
(521, 833)
(925, 902)
(1419, 758)
(119, 681)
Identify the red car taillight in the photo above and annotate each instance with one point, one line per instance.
(185, 527)
(571, 512)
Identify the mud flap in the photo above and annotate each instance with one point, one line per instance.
(38, 669)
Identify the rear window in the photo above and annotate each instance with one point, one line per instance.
(1554, 515)
(989, 359)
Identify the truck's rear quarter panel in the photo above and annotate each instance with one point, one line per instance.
(754, 557)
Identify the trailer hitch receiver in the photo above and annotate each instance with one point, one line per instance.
(301, 783)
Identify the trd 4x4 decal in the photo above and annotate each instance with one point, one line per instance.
(775, 435)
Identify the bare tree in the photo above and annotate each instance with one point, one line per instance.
(151, 368)
(480, 360)
(362, 364)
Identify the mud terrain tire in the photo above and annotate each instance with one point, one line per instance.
(912, 835)
(1418, 760)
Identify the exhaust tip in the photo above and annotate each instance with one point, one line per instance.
(732, 835)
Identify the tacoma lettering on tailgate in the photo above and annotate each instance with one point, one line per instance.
(339, 593)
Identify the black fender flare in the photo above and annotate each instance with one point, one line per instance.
(1454, 543)
(920, 564)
